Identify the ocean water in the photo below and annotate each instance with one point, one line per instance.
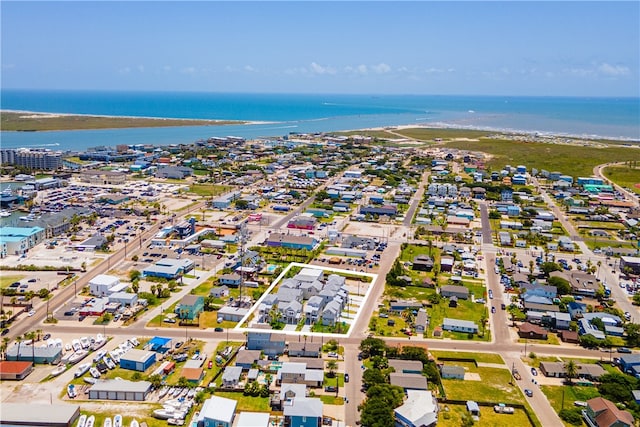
(280, 114)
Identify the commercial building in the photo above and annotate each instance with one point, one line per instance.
(290, 241)
(32, 158)
(169, 268)
(120, 390)
(35, 354)
(18, 240)
(14, 370)
(36, 415)
(100, 285)
(137, 360)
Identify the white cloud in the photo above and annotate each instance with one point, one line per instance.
(250, 69)
(613, 70)
(140, 68)
(319, 69)
(188, 70)
(166, 68)
(381, 68)
(124, 70)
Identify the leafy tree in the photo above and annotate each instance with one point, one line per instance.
(589, 341)
(598, 323)
(371, 377)
(376, 413)
(373, 347)
(134, 275)
(393, 395)
(155, 380)
(633, 334)
(241, 204)
(183, 382)
(572, 416)
(137, 376)
(322, 195)
(636, 299)
(548, 267)
(431, 371)
(617, 387)
(380, 362)
(563, 286)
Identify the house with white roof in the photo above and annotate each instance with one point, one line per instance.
(303, 412)
(217, 412)
(420, 409)
(331, 313)
(291, 311)
(252, 419)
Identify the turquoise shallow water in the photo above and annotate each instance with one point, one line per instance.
(284, 113)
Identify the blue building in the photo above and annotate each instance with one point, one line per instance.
(630, 363)
(223, 202)
(303, 412)
(190, 307)
(137, 360)
(169, 268)
(269, 343)
(159, 344)
(18, 240)
(217, 412)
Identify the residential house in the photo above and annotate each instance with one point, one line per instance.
(421, 321)
(420, 409)
(290, 241)
(401, 305)
(303, 412)
(531, 331)
(231, 376)
(457, 325)
(630, 363)
(422, 263)
(271, 344)
(219, 291)
(408, 381)
(601, 412)
(546, 291)
(586, 328)
(247, 358)
(190, 307)
(331, 313)
(576, 309)
(291, 311)
(406, 366)
(217, 412)
(460, 292)
(230, 280)
(446, 263)
(312, 309)
(304, 349)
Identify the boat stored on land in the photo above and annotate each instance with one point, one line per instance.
(71, 391)
(90, 421)
(82, 421)
(58, 370)
(82, 369)
(117, 420)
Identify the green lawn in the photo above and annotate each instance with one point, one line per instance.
(210, 190)
(571, 394)
(624, 176)
(247, 403)
(570, 159)
(479, 357)
(493, 386)
(331, 400)
(7, 280)
(332, 380)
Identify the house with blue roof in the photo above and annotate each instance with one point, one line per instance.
(576, 308)
(630, 363)
(586, 328)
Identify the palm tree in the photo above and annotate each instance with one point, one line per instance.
(31, 335)
(571, 370)
(332, 366)
(5, 345)
(19, 341)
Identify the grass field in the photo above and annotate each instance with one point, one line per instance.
(453, 417)
(45, 122)
(625, 177)
(247, 403)
(494, 385)
(573, 160)
(208, 190)
(478, 357)
(7, 280)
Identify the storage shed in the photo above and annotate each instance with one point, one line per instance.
(137, 360)
(120, 390)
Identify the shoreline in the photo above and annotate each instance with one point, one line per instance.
(218, 122)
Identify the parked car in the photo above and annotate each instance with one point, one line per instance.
(168, 320)
(624, 350)
(46, 336)
(346, 378)
(528, 392)
(330, 389)
(534, 372)
(219, 330)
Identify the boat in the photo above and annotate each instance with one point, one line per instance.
(107, 422)
(192, 392)
(134, 423)
(84, 342)
(4, 213)
(67, 347)
(59, 369)
(98, 344)
(163, 391)
(71, 391)
(99, 337)
(82, 421)
(90, 380)
(184, 392)
(99, 355)
(78, 356)
(94, 372)
(166, 413)
(90, 421)
(117, 420)
(110, 364)
(29, 218)
(175, 422)
(75, 345)
(82, 369)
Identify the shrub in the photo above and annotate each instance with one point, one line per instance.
(571, 416)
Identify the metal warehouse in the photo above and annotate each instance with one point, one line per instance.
(120, 390)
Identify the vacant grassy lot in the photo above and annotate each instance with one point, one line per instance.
(571, 394)
(44, 122)
(493, 386)
(247, 403)
(478, 357)
(453, 417)
(573, 160)
(209, 190)
(625, 177)
(7, 280)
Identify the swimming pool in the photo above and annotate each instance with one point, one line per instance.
(271, 268)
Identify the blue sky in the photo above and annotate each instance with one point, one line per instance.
(470, 48)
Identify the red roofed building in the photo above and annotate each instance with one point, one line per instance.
(193, 375)
(601, 412)
(13, 370)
